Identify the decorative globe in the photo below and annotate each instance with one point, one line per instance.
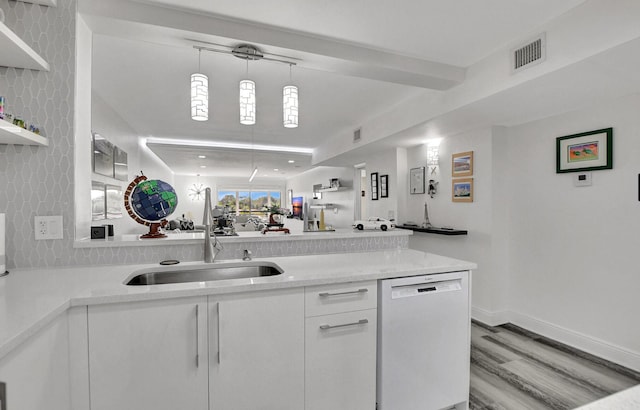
(150, 202)
(154, 200)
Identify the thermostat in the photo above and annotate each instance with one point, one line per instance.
(582, 179)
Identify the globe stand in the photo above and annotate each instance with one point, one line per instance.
(155, 200)
(154, 231)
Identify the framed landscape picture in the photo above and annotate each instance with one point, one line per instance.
(462, 164)
(587, 151)
(462, 190)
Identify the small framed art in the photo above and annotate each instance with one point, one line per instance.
(587, 151)
(384, 187)
(416, 181)
(462, 164)
(374, 186)
(462, 190)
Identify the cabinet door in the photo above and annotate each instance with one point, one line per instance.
(37, 372)
(149, 355)
(341, 361)
(257, 350)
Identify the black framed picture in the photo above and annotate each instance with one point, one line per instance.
(384, 187)
(374, 186)
(587, 151)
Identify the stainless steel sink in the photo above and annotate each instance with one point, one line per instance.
(205, 273)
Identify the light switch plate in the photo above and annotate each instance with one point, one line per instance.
(48, 227)
(582, 179)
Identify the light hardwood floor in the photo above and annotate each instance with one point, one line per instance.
(513, 369)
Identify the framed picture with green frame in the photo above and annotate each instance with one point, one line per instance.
(586, 151)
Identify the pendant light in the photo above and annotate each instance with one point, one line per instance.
(290, 104)
(199, 95)
(255, 168)
(247, 100)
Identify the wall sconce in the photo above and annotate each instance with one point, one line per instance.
(433, 152)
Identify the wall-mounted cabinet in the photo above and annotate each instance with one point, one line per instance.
(14, 52)
(12, 134)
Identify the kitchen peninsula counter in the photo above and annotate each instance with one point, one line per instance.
(32, 298)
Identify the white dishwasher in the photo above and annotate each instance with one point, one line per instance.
(423, 342)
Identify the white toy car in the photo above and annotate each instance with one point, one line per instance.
(374, 223)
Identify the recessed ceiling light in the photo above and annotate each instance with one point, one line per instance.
(202, 156)
(276, 169)
(291, 161)
(203, 166)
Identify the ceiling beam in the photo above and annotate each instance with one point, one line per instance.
(140, 19)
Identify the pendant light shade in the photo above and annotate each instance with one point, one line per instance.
(199, 97)
(290, 106)
(247, 102)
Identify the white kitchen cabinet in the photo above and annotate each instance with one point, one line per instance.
(340, 346)
(36, 373)
(149, 355)
(257, 350)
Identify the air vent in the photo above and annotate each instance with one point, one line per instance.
(356, 135)
(532, 53)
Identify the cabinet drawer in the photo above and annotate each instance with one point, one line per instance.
(342, 297)
(340, 361)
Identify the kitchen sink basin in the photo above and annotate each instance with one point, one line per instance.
(209, 272)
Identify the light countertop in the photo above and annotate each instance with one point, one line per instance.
(32, 298)
(628, 399)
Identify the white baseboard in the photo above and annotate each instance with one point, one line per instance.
(597, 347)
(490, 318)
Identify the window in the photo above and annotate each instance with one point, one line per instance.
(249, 202)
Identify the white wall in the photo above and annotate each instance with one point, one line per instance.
(302, 185)
(553, 258)
(574, 266)
(476, 217)
(384, 163)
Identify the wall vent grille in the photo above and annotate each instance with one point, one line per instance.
(532, 53)
(356, 135)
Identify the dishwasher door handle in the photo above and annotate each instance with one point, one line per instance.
(359, 322)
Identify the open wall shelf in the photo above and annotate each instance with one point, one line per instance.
(12, 134)
(16, 53)
(48, 3)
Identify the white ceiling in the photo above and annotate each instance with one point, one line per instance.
(142, 62)
(458, 32)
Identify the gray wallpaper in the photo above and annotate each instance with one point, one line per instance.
(39, 180)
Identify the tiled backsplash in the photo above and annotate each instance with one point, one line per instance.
(235, 250)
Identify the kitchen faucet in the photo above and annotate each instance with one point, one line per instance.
(211, 248)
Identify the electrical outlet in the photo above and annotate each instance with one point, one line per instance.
(48, 227)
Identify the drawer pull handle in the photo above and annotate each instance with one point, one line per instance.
(353, 292)
(359, 322)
